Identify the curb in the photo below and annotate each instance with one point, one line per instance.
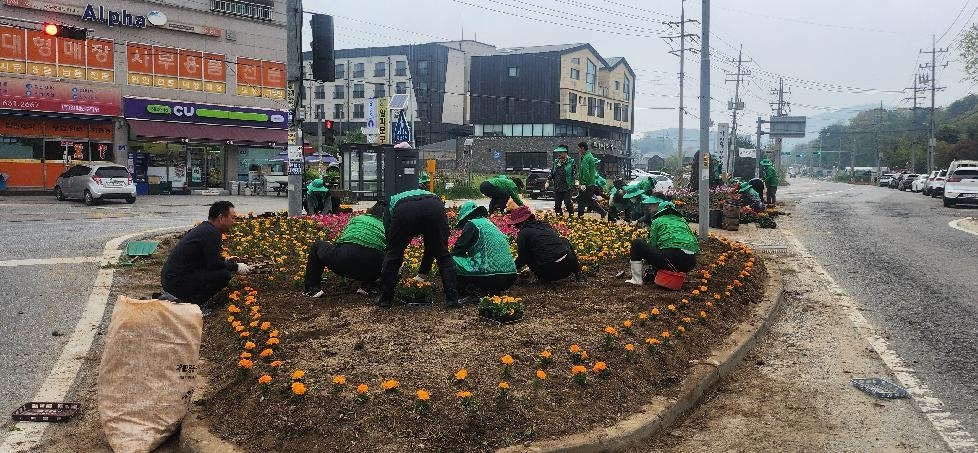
(651, 419)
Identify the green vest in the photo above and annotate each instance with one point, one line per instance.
(588, 169)
(490, 255)
(365, 230)
(509, 186)
(670, 231)
(770, 176)
(406, 194)
(568, 170)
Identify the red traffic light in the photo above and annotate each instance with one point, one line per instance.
(51, 29)
(329, 124)
(64, 31)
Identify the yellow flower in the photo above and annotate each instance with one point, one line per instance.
(578, 369)
(461, 374)
(655, 312)
(264, 379)
(685, 301)
(681, 329)
(231, 318)
(575, 349)
(541, 375)
(703, 314)
(652, 341)
(611, 331)
(696, 292)
(253, 324)
(666, 334)
(703, 288)
(298, 388)
(423, 395)
(362, 389)
(545, 354)
(339, 379)
(507, 359)
(627, 324)
(630, 347)
(298, 374)
(643, 316)
(389, 385)
(503, 385)
(265, 325)
(463, 394)
(687, 319)
(671, 307)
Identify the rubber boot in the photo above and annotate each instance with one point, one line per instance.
(637, 273)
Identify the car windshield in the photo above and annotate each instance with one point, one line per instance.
(112, 172)
(966, 172)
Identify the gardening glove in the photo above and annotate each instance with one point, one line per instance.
(419, 278)
(243, 269)
(582, 187)
(577, 183)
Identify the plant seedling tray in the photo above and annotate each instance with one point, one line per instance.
(880, 388)
(45, 412)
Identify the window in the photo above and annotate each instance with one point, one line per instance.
(243, 8)
(590, 106)
(617, 111)
(380, 69)
(400, 88)
(423, 68)
(338, 112)
(423, 88)
(591, 77)
(357, 70)
(340, 72)
(507, 130)
(537, 130)
(575, 60)
(575, 74)
(600, 109)
(320, 112)
(319, 92)
(604, 91)
(400, 68)
(617, 86)
(477, 130)
(380, 90)
(624, 112)
(357, 111)
(338, 92)
(357, 91)
(626, 88)
(548, 130)
(572, 102)
(514, 71)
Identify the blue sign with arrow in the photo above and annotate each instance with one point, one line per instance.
(402, 133)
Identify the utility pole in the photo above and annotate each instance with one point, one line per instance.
(735, 105)
(923, 78)
(933, 89)
(704, 161)
(294, 73)
(879, 124)
(682, 75)
(781, 108)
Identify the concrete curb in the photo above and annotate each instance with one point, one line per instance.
(656, 416)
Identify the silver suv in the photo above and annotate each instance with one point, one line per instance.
(96, 181)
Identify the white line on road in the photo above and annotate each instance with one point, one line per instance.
(46, 261)
(950, 429)
(26, 435)
(955, 224)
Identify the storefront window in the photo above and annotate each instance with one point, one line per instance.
(21, 148)
(260, 160)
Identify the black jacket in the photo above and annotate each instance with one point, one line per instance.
(538, 243)
(199, 249)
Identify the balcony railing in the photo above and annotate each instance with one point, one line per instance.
(243, 9)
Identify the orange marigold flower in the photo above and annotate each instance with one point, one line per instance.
(249, 345)
(685, 301)
(583, 355)
(273, 334)
(264, 379)
(231, 318)
(702, 314)
(629, 347)
(253, 324)
(545, 354)
(266, 352)
(652, 341)
(671, 307)
(265, 325)
(246, 364)
(655, 311)
(362, 389)
(389, 385)
(507, 359)
(272, 341)
(627, 324)
(578, 369)
(423, 395)
(600, 367)
(461, 374)
(275, 363)
(541, 375)
(687, 319)
(234, 308)
(696, 292)
(709, 304)
(716, 296)
(666, 334)
(298, 374)
(681, 329)
(611, 331)
(503, 385)
(339, 379)
(238, 328)
(245, 334)
(703, 288)
(463, 394)
(575, 349)
(642, 316)
(245, 355)
(298, 388)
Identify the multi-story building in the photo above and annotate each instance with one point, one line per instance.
(191, 93)
(434, 75)
(527, 100)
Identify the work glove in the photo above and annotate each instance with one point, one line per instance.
(582, 187)
(243, 269)
(419, 278)
(577, 183)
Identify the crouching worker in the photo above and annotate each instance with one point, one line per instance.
(195, 270)
(409, 214)
(499, 190)
(671, 246)
(358, 254)
(483, 260)
(318, 197)
(749, 197)
(549, 255)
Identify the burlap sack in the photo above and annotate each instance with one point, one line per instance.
(149, 365)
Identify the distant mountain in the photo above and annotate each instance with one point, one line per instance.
(816, 123)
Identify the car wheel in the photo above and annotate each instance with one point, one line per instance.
(58, 193)
(926, 192)
(89, 199)
(948, 203)
(130, 199)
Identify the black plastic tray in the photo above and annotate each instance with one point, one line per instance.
(880, 388)
(46, 412)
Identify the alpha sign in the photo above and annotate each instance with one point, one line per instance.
(113, 18)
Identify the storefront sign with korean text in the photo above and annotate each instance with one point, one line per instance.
(42, 95)
(191, 112)
(31, 52)
(178, 69)
(260, 78)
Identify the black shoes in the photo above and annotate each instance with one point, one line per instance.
(314, 293)
(384, 303)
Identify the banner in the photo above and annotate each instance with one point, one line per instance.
(42, 95)
(177, 69)
(31, 52)
(383, 119)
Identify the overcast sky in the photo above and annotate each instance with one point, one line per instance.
(834, 54)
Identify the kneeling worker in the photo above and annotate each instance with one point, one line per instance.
(483, 260)
(358, 254)
(318, 196)
(499, 190)
(195, 271)
(412, 213)
(671, 246)
(549, 255)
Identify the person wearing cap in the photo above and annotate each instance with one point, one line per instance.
(358, 254)
(749, 197)
(423, 180)
(618, 206)
(587, 180)
(549, 255)
(483, 261)
(499, 190)
(409, 214)
(633, 196)
(671, 245)
(649, 206)
(758, 185)
(562, 177)
(770, 175)
(317, 195)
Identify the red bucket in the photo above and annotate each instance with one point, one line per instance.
(670, 280)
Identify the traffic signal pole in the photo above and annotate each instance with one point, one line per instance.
(293, 55)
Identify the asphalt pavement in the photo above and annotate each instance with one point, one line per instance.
(914, 278)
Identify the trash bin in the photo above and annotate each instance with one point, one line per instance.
(154, 189)
(166, 188)
(142, 188)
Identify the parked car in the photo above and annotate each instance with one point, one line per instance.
(885, 179)
(538, 184)
(961, 186)
(905, 182)
(961, 163)
(918, 184)
(895, 180)
(93, 182)
(936, 186)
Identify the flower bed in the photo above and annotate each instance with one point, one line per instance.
(424, 379)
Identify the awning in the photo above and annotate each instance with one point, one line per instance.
(207, 133)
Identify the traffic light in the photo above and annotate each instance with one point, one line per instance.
(64, 31)
(323, 63)
(329, 134)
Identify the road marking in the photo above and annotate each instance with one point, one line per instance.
(25, 435)
(47, 261)
(950, 429)
(954, 224)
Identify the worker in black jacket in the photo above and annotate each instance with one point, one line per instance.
(549, 255)
(195, 270)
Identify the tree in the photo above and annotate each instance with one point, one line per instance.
(969, 53)
(947, 133)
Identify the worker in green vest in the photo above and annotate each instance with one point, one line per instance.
(618, 205)
(357, 254)
(671, 244)
(562, 174)
(317, 196)
(412, 213)
(483, 260)
(499, 190)
(770, 175)
(587, 181)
